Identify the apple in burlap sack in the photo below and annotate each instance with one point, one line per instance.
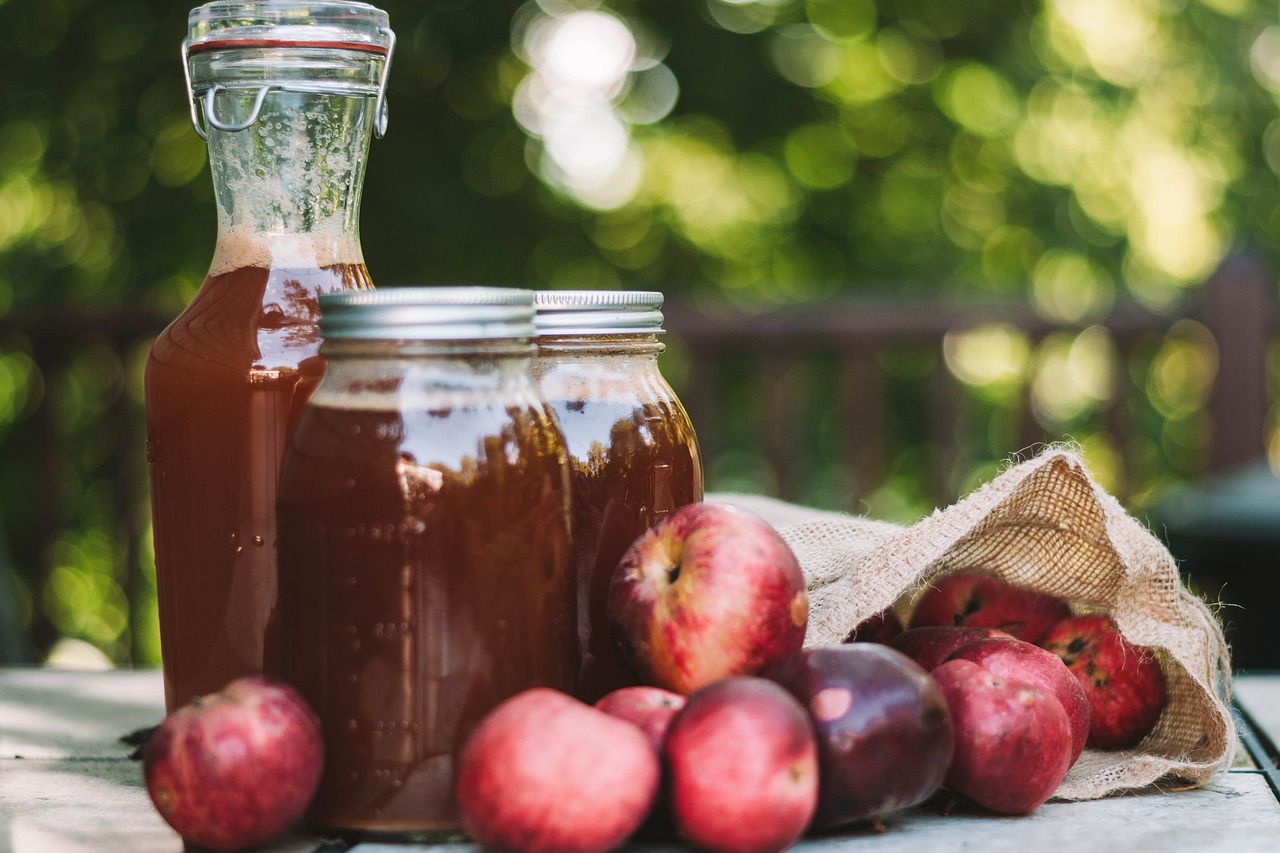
(1012, 738)
(1123, 683)
(1045, 524)
(978, 600)
(930, 645)
(1014, 659)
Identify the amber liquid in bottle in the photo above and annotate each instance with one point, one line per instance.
(632, 464)
(224, 383)
(425, 578)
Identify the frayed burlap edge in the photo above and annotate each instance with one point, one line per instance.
(1045, 524)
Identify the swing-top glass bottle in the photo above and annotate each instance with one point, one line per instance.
(287, 95)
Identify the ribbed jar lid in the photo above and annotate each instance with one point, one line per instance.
(598, 312)
(428, 314)
(288, 23)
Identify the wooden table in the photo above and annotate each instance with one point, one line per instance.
(67, 785)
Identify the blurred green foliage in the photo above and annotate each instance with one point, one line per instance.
(1069, 152)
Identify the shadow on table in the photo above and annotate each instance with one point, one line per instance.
(63, 714)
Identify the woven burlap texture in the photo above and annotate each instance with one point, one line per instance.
(1045, 524)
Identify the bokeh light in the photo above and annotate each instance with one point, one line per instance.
(590, 82)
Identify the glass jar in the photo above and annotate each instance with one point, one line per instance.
(287, 95)
(424, 544)
(632, 449)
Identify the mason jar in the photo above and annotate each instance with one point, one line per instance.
(632, 450)
(424, 544)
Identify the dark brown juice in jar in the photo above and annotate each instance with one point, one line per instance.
(224, 383)
(425, 578)
(632, 450)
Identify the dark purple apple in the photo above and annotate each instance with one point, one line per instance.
(1015, 659)
(744, 767)
(1013, 741)
(980, 600)
(932, 644)
(884, 735)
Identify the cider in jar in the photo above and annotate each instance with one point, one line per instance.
(632, 450)
(424, 545)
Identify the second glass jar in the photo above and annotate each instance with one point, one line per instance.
(632, 450)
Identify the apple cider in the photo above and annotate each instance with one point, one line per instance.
(287, 94)
(224, 384)
(632, 450)
(424, 547)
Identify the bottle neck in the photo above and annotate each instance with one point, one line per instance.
(289, 185)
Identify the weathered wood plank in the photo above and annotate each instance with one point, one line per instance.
(1259, 695)
(65, 785)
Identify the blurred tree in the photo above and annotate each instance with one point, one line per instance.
(1071, 152)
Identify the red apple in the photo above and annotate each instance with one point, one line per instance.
(652, 709)
(932, 644)
(884, 736)
(649, 708)
(744, 767)
(546, 773)
(1017, 660)
(880, 628)
(235, 768)
(979, 600)
(1013, 741)
(1123, 682)
(709, 592)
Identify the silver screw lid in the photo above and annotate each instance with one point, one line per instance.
(598, 312)
(428, 314)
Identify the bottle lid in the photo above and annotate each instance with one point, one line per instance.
(598, 312)
(428, 314)
(247, 43)
(288, 23)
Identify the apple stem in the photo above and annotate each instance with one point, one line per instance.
(878, 826)
(949, 804)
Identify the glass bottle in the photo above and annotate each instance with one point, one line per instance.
(287, 95)
(424, 545)
(632, 449)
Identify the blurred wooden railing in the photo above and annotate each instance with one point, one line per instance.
(723, 349)
(848, 338)
(61, 449)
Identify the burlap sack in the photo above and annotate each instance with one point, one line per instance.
(1044, 524)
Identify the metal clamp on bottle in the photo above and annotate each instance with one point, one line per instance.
(206, 95)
